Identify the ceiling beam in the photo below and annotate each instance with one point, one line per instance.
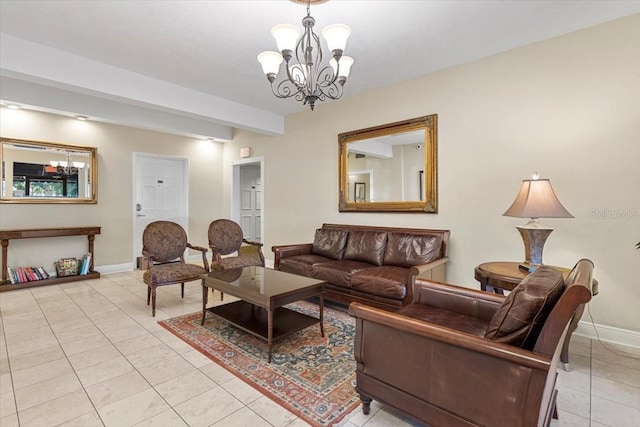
(21, 60)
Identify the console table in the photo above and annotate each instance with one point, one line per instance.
(37, 233)
(500, 276)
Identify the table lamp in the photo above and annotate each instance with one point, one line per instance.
(536, 199)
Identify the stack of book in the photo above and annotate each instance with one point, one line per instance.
(26, 274)
(84, 263)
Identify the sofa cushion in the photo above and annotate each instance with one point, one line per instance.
(301, 264)
(386, 281)
(366, 246)
(329, 243)
(407, 250)
(338, 272)
(519, 319)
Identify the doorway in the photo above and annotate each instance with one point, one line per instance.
(247, 197)
(161, 192)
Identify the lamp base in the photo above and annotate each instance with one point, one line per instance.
(534, 235)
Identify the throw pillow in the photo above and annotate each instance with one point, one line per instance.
(520, 318)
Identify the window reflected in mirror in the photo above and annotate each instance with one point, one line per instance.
(390, 167)
(43, 172)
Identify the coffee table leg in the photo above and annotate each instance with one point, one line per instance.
(322, 315)
(269, 333)
(205, 297)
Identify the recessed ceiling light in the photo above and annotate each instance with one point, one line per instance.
(13, 106)
(82, 118)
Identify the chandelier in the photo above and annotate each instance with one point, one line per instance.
(307, 79)
(67, 167)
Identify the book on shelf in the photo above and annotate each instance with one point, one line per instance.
(26, 274)
(13, 278)
(85, 262)
(43, 272)
(31, 274)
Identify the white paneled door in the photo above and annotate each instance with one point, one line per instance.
(250, 200)
(161, 193)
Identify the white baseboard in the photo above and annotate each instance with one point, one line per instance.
(116, 268)
(608, 333)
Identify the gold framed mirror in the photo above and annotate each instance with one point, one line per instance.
(390, 168)
(47, 172)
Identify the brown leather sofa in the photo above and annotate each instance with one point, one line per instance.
(374, 265)
(461, 357)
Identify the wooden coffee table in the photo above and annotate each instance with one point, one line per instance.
(263, 293)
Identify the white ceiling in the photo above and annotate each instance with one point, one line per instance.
(197, 59)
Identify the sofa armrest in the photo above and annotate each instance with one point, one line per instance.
(434, 270)
(286, 251)
(470, 302)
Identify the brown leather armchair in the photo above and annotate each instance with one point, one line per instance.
(163, 244)
(461, 357)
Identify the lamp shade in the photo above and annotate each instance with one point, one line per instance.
(336, 36)
(345, 65)
(286, 36)
(270, 62)
(537, 199)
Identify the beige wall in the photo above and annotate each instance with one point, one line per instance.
(568, 107)
(114, 211)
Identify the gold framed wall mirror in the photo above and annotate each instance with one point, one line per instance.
(47, 172)
(397, 162)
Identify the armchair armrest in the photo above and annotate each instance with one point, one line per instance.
(444, 335)
(286, 251)
(204, 254)
(197, 248)
(470, 302)
(250, 242)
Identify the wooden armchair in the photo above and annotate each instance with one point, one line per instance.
(163, 244)
(460, 357)
(225, 238)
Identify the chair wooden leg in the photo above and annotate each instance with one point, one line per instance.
(153, 302)
(221, 294)
(182, 289)
(148, 294)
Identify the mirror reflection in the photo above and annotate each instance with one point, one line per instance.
(390, 167)
(43, 172)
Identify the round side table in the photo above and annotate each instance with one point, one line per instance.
(503, 276)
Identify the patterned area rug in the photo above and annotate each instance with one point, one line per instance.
(311, 376)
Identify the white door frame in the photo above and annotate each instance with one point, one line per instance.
(235, 189)
(185, 193)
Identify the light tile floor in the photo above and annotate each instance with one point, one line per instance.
(90, 354)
